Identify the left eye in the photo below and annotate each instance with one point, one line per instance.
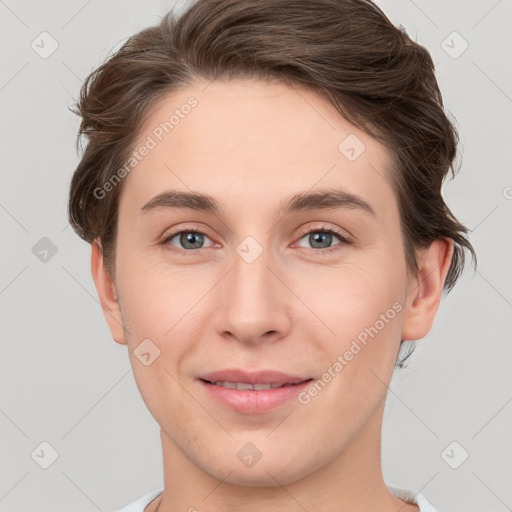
(322, 239)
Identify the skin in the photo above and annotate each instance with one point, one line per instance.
(251, 145)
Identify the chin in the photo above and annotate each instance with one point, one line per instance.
(267, 472)
(264, 477)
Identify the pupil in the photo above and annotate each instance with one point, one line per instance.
(318, 237)
(190, 238)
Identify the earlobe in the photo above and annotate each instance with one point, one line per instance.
(425, 289)
(106, 293)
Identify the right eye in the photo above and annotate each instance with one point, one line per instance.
(189, 239)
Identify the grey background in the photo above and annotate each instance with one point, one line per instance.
(64, 380)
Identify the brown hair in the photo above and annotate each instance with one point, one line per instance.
(346, 50)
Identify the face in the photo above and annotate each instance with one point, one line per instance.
(265, 282)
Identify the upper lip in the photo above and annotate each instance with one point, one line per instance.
(260, 377)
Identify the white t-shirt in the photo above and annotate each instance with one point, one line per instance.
(418, 499)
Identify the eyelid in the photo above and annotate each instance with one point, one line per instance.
(170, 233)
(330, 228)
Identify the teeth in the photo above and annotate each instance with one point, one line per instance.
(259, 387)
(246, 385)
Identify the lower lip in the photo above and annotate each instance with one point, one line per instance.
(252, 401)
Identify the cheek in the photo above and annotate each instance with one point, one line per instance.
(155, 296)
(165, 313)
(353, 297)
(364, 311)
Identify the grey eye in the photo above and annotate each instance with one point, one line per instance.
(189, 240)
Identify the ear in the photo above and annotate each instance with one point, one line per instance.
(425, 289)
(107, 293)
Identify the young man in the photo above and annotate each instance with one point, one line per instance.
(262, 191)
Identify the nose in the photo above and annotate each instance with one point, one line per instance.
(255, 305)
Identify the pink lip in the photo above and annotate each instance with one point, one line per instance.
(253, 401)
(261, 377)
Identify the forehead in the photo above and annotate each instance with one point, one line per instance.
(253, 142)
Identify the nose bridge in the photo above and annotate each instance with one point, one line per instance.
(250, 278)
(252, 304)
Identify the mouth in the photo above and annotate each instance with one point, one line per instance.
(250, 385)
(252, 393)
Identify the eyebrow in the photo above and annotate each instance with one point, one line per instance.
(301, 201)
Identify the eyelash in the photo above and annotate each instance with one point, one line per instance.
(344, 240)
